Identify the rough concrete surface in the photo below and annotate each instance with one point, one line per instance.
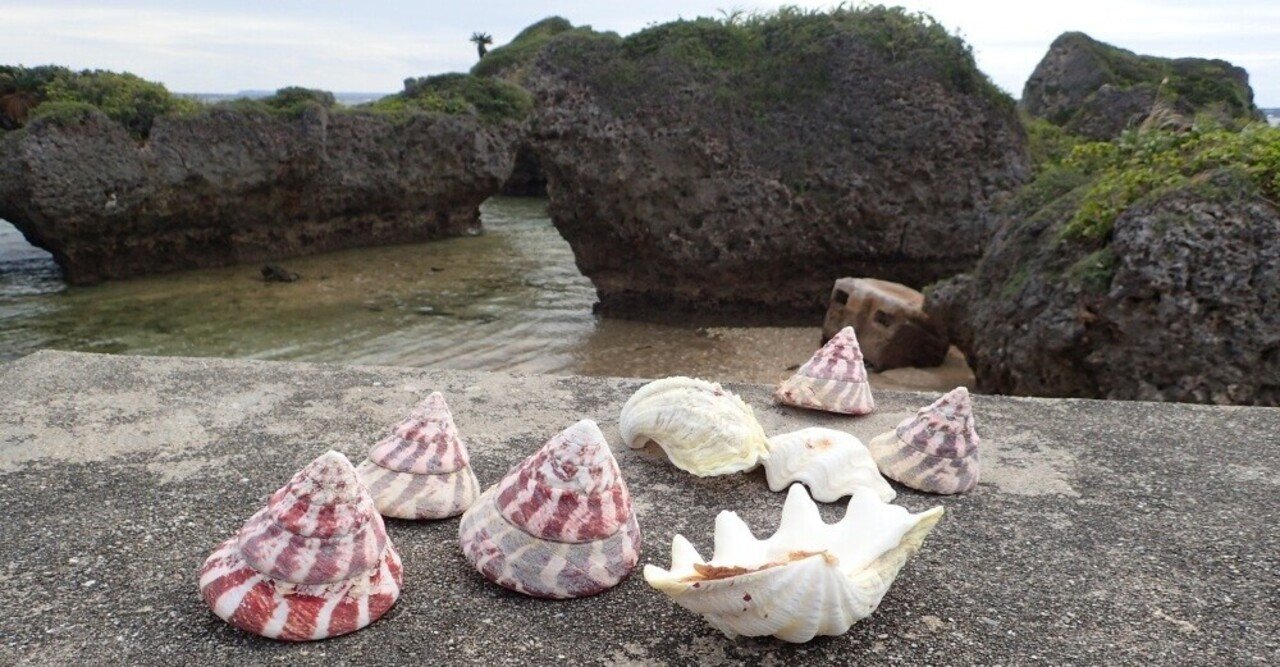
(1101, 532)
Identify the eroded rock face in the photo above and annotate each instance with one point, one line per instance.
(226, 187)
(1097, 90)
(686, 187)
(1183, 304)
(893, 329)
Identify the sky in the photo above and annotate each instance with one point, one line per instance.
(224, 46)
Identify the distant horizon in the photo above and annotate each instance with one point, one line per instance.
(227, 47)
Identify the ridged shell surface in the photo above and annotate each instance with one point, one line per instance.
(834, 379)
(810, 578)
(833, 464)
(934, 450)
(703, 428)
(560, 524)
(421, 469)
(316, 562)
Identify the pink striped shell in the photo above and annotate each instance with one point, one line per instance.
(934, 450)
(834, 379)
(316, 562)
(421, 469)
(560, 524)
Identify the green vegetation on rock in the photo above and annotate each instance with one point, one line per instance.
(760, 59)
(1082, 187)
(1198, 82)
(509, 59)
(492, 100)
(1142, 164)
(286, 102)
(125, 98)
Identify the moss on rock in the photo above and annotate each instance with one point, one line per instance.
(493, 100)
(1098, 90)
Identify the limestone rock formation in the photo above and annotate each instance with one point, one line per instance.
(1096, 90)
(739, 165)
(893, 329)
(1180, 302)
(226, 186)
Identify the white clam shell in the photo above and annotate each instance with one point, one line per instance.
(704, 428)
(810, 578)
(833, 464)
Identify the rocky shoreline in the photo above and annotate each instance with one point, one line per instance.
(233, 185)
(698, 167)
(732, 169)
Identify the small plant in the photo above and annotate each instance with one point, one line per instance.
(482, 40)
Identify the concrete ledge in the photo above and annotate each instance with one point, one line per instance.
(1101, 532)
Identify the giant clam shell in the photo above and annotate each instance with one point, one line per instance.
(560, 524)
(811, 578)
(703, 428)
(833, 464)
(316, 562)
(421, 470)
(934, 450)
(834, 379)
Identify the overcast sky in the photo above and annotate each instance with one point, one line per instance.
(227, 46)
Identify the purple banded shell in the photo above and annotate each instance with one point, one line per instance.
(560, 524)
(421, 470)
(834, 379)
(934, 450)
(316, 562)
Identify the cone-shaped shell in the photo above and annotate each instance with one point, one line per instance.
(811, 578)
(421, 470)
(703, 428)
(560, 524)
(316, 562)
(833, 379)
(833, 464)
(934, 450)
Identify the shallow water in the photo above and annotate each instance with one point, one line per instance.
(510, 299)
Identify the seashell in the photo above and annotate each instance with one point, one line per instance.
(421, 470)
(811, 578)
(316, 562)
(833, 464)
(935, 450)
(833, 379)
(560, 524)
(703, 428)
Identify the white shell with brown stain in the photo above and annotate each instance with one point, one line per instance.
(833, 464)
(810, 578)
(704, 428)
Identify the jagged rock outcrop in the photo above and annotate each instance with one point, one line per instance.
(226, 186)
(740, 166)
(1180, 301)
(511, 62)
(1097, 90)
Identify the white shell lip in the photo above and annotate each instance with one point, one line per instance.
(832, 464)
(810, 578)
(704, 428)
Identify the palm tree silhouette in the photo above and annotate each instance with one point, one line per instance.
(482, 40)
